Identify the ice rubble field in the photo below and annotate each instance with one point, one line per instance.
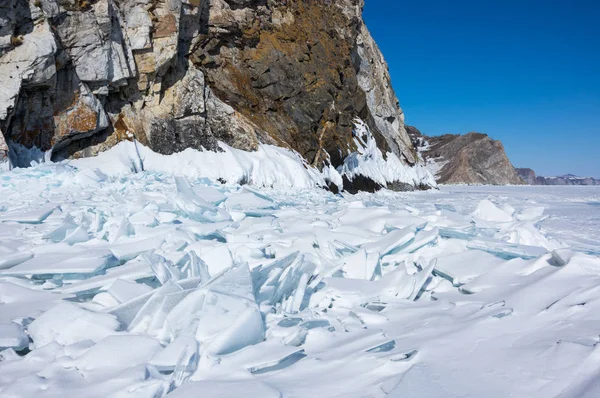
(147, 284)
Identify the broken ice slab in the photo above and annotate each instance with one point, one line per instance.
(488, 211)
(209, 194)
(290, 283)
(420, 279)
(79, 235)
(423, 238)
(123, 290)
(265, 277)
(465, 233)
(248, 200)
(132, 270)
(402, 221)
(215, 255)
(246, 329)
(446, 218)
(208, 230)
(192, 266)
(361, 265)
(391, 242)
(222, 311)
(73, 261)
(59, 233)
(258, 213)
(257, 192)
(19, 302)
(182, 351)
(341, 249)
(385, 347)
(189, 202)
(12, 335)
(463, 267)
(130, 250)
(28, 216)
(12, 259)
(68, 323)
(507, 250)
(170, 292)
(127, 311)
(163, 269)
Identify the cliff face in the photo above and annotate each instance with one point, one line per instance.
(80, 75)
(472, 158)
(529, 176)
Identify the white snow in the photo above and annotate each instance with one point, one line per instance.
(487, 211)
(269, 166)
(167, 283)
(369, 161)
(68, 324)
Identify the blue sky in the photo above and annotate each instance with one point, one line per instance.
(526, 72)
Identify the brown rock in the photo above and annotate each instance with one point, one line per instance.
(473, 158)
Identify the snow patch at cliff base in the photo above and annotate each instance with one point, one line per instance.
(269, 166)
(369, 162)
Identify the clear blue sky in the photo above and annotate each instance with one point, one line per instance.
(526, 72)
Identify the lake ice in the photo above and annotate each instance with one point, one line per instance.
(123, 284)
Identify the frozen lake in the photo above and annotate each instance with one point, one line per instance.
(573, 212)
(127, 284)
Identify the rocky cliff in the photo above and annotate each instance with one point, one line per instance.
(80, 75)
(473, 158)
(529, 176)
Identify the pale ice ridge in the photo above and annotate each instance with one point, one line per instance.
(269, 166)
(123, 284)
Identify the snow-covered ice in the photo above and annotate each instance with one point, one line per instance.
(117, 283)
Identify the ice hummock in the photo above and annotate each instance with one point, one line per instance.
(156, 283)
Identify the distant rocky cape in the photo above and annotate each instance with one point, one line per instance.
(529, 176)
(473, 158)
(78, 76)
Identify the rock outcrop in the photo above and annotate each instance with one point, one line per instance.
(473, 158)
(78, 76)
(529, 176)
(3, 149)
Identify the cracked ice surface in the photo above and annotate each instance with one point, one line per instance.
(146, 285)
